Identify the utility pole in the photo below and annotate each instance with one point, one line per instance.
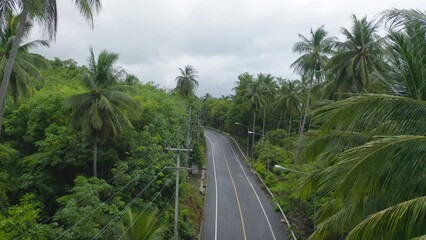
(188, 138)
(178, 168)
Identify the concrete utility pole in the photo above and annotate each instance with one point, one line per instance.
(188, 138)
(178, 168)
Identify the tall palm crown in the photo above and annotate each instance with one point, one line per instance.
(269, 88)
(373, 158)
(254, 94)
(357, 57)
(27, 65)
(268, 84)
(102, 111)
(187, 81)
(315, 51)
(288, 97)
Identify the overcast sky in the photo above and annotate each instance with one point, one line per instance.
(220, 38)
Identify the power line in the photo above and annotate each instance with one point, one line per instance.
(159, 215)
(84, 197)
(103, 230)
(127, 229)
(104, 202)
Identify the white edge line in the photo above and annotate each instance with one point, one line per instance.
(215, 183)
(273, 197)
(251, 185)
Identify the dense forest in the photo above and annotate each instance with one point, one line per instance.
(83, 148)
(348, 134)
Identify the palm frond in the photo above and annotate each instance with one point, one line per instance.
(403, 221)
(88, 8)
(403, 18)
(333, 141)
(385, 114)
(364, 180)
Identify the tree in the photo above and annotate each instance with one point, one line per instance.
(357, 57)
(187, 81)
(102, 111)
(288, 99)
(312, 65)
(255, 97)
(142, 225)
(41, 11)
(374, 171)
(269, 87)
(26, 64)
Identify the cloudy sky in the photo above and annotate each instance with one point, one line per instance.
(220, 38)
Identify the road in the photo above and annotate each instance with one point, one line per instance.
(236, 206)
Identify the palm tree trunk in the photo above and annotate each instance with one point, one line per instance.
(264, 114)
(254, 125)
(279, 122)
(289, 127)
(95, 156)
(301, 128)
(11, 61)
(310, 122)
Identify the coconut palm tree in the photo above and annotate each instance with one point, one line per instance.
(269, 88)
(311, 65)
(288, 99)
(103, 110)
(357, 57)
(142, 225)
(254, 95)
(44, 12)
(26, 65)
(375, 176)
(187, 81)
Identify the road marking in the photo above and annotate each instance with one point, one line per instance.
(236, 195)
(251, 185)
(215, 184)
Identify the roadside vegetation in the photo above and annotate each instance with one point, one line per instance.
(82, 147)
(348, 133)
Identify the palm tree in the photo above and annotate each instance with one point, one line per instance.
(187, 81)
(42, 11)
(269, 87)
(142, 226)
(254, 94)
(357, 57)
(26, 65)
(288, 99)
(102, 111)
(312, 64)
(374, 171)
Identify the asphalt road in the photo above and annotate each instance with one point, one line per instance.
(236, 206)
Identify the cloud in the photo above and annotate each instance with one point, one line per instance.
(221, 38)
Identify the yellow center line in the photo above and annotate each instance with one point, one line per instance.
(236, 195)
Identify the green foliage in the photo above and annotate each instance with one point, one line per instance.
(21, 221)
(86, 197)
(41, 155)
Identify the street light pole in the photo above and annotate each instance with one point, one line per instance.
(252, 144)
(248, 130)
(289, 169)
